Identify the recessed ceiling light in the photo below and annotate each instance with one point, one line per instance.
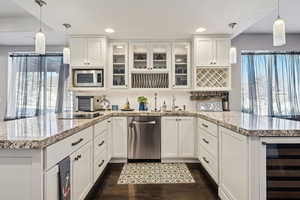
(109, 30)
(200, 30)
(120, 47)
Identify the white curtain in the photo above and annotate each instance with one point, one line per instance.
(271, 83)
(37, 85)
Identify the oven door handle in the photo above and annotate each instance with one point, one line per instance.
(143, 123)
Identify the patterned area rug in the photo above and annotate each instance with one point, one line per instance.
(155, 173)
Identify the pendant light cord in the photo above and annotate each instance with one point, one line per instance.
(278, 10)
(40, 18)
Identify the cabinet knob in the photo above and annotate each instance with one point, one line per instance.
(205, 160)
(206, 141)
(102, 162)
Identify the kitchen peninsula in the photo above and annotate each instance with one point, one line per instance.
(236, 149)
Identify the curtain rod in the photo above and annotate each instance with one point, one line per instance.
(271, 53)
(34, 55)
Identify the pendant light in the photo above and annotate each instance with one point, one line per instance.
(279, 38)
(66, 50)
(40, 39)
(232, 51)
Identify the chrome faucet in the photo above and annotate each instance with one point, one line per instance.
(174, 103)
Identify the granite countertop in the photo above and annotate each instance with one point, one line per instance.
(40, 132)
(253, 125)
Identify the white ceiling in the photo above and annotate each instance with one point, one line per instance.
(18, 26)
(150, 18)
(140, 19)
(289, 11)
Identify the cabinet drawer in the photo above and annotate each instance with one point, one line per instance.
(100, 164)
(209, 142)
(100, 143)
(208, 126)
(209, 163)
(101, 127)
(62, 149)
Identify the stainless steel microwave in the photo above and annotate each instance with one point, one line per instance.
(88, 78)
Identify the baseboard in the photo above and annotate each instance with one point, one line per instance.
(176, 160)
(118, 160)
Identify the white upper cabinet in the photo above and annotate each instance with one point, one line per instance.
(88, 51)
(211, 51)
(119, 65)
(181, 65)
(150, 57)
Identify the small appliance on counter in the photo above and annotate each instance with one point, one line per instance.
(211, 101)
(88, 103)
(88, 78)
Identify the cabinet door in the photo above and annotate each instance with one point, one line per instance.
(233, 160)
(222, 52)
(169, 138)
(119, 65)
(139, 57)
(78, 51)
(82, 179)
(181, 65)
(52, 184)
(119, 130)
(109, 139)
(160, 57)
(186, 137)
(204, 52)
(95, 55)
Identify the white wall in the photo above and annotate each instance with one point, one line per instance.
(120, 97)
(4, 50)
(254, 42)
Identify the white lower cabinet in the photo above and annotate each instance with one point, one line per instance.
(119, 134)
(81, 170)
(178, 137)
(208, 147)
(52, 184)
(234, 165)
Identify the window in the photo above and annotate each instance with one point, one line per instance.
(271, 83)
(37, 85)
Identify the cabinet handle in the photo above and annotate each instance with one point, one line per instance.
(77, 157)
(101, 143)
(108, 121)
(102, 162)
(205, 160)
(204, 125)
(77, 142)
(204, 140)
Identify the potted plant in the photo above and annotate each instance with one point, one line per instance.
(142, 102)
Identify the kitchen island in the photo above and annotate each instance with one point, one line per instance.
(238, 150)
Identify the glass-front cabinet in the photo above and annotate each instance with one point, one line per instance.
(150, 57)
(181, 65)
(119, 68)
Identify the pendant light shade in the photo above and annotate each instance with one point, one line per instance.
(40, 38)
(232, 55)
(279, 29)
(66, 55)
(40, 43)
(279, 38)
(66, 50)
(232, 51)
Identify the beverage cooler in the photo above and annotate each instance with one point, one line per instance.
(281, 170)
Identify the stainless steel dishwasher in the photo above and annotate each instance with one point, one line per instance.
(144, 138)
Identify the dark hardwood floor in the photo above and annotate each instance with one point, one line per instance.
(108, 189)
